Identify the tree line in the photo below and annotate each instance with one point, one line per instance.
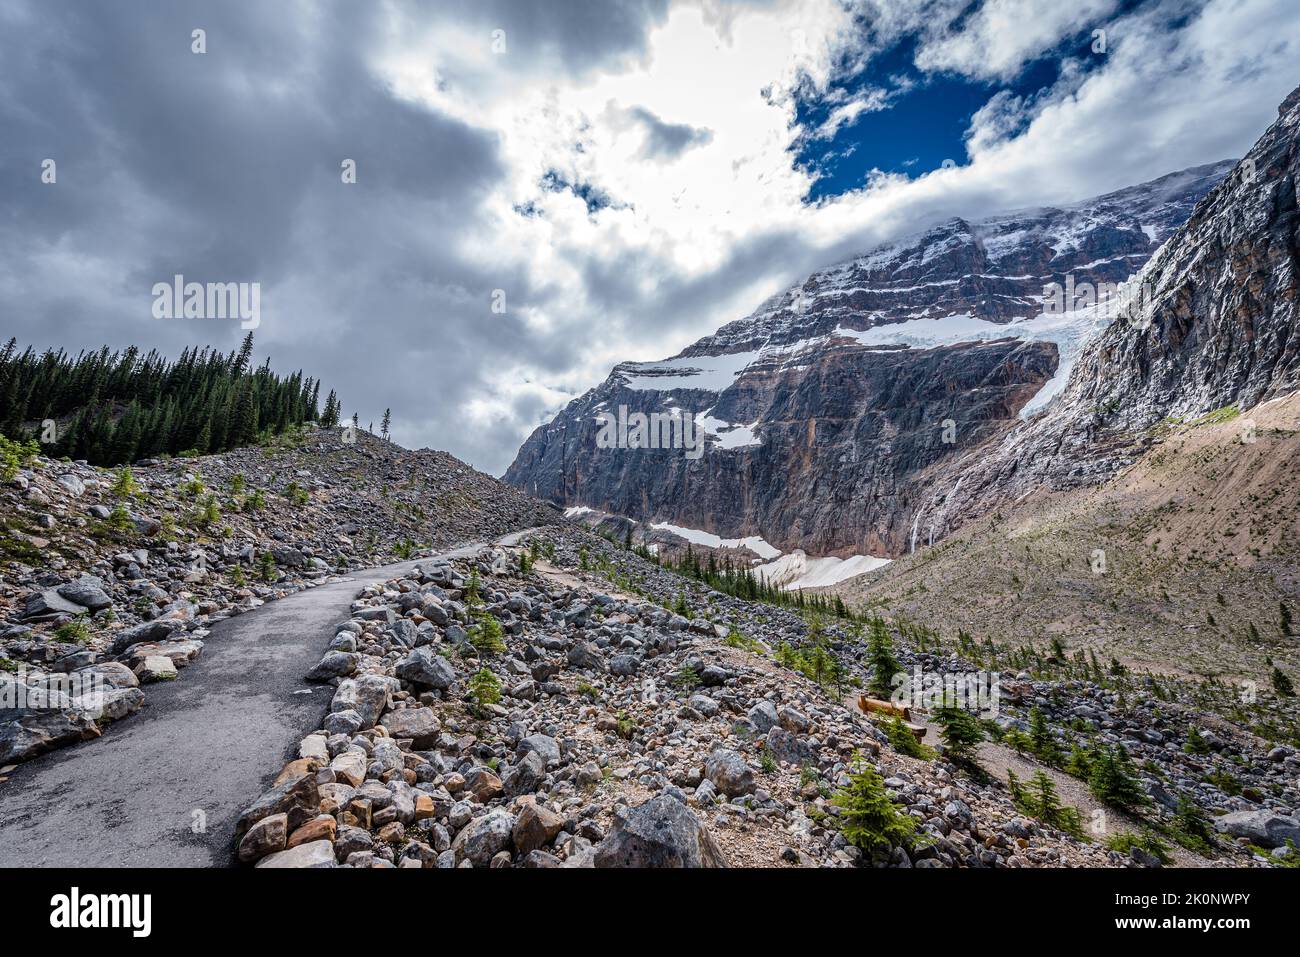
(112, 408)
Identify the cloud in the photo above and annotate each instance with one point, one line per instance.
(226, 166)
(667, 141)
(1002, 36)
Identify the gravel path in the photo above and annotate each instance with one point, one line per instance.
(164, 787)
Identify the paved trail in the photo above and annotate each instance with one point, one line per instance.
(210, 742)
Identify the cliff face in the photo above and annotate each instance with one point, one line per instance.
(834, 412)
(1219, 327)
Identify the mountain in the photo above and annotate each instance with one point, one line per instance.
(828, 409)
(1217, 331)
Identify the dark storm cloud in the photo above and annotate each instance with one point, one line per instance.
(225, 166)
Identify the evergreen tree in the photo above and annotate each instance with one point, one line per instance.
(868, 819)
(1113, 779)
(1042, 741)
(880, 655)
(383, 426)
(1281, 683)
(960, 731)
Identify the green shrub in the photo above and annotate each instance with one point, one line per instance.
(487, 635)
(14, 455)
(75, 630)
(1125, 841)
(484, 690)
(903, 740)
(266, 569)
(868, 819)
(125, 485)
(1112, 779)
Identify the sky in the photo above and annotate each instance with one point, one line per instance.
(544, 188)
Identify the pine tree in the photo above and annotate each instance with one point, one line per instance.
(266, 569)
(1042, 741)
(1112, 779)
(484, 690)
(383, 426)
(1195, 744)
(868, 819)
(1282, 684)
(961, 732)
(880, 655)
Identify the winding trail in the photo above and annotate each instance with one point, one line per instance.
(201, 749)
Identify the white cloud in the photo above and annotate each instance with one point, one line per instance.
(1002, 36)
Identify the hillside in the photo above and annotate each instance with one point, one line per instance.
(91, 573)
(1180, 564)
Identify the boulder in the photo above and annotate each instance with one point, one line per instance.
(1263, 828)
(49, 604)
(314, 854)
(663, 832)
(545, 746)
(425, 668)
(87, 591)
(535, 828)
(421, 725)
(296, 797)
(729, 772)
(481, 839)
(335, 664)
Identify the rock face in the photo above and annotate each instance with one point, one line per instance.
(1219, 327)
(826, 410)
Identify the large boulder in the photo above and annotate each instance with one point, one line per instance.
(423, 667)
(789, 748)
(150, 631)
(49, 604)
(368, 696)
(543, 745)
(87, 591)
(585, 655)
(663, 832)
(26, 732)
(1263, 828)
(296, 797)
(335, 664)
(535, 828)
(314, 854)
(729, 773)
(481, 839)
(421, 725)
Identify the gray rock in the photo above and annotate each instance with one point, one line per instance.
(790, 748)
(623, 665)
(546, 747)
(88, 591)
(586, 656)
(49, 604)
(1264, 828)
(423, 667)
(481, 839)
(526, 777)
(335, 664)
(729, 772)
(147, 632)
(421, 725)
(663, 832)
(314, 854)
(763, 717)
